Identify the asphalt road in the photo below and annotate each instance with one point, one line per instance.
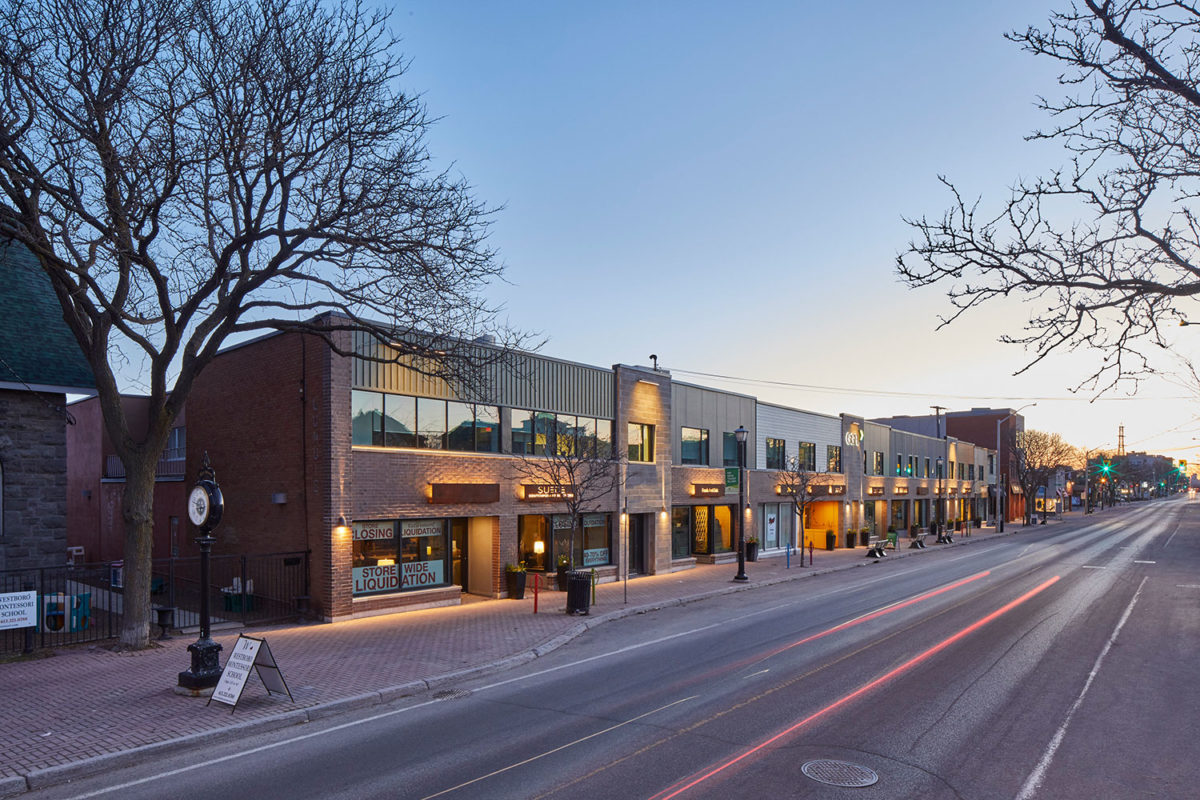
(1052, 664)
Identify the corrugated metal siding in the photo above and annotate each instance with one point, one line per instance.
(523, 380)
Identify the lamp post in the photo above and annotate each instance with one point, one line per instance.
(1000, 483)
(740, 435)
(941, 523)
(205, 506)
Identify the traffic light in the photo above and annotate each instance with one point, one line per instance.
(1182, 466)
(1106, 467)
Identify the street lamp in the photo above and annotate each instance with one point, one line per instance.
(941, 521)
(740, 435)
(1000, 483)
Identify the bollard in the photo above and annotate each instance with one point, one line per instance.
(536, 582)
(593, 586)
(810, 551)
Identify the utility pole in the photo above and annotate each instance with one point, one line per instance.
(937, 410)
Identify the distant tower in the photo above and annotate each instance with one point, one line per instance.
(1121, 440)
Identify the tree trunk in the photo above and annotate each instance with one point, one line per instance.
(138, 511)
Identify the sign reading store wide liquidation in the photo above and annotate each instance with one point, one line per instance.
(18, 610)
(248, 653)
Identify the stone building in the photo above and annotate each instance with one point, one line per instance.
(40, 364)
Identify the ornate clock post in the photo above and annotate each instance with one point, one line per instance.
(205, 506)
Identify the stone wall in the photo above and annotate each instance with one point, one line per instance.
(33, 480)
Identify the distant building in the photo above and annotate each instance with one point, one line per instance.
(40, 364)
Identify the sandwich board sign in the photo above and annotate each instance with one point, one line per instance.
(248, 653)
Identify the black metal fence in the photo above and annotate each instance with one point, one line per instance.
(83, 603)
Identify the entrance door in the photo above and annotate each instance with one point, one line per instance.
(638, 525)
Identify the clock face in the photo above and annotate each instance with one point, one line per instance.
(199, 505)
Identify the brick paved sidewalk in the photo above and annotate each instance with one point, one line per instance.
(86, 709)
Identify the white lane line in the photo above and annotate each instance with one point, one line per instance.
(1089, 566)
(752, 674)
(1172, 536)
(1144, 562)
(1034, 781)
(557, 749)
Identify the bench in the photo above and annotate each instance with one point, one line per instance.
(917, 541)
(876, 547)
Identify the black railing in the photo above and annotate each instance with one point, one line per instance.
(83, 603)
(171, 464)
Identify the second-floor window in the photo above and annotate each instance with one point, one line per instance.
(927, 472)
(808, 456)
(776, 453)
(878, 463)
(834, 454)
(641, 442)
(693, 446)
(729, 449)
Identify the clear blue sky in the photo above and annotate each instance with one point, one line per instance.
(722, 184)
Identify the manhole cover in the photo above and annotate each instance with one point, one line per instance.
(451, 694)
(839, 773)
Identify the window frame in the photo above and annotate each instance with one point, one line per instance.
(700, 442)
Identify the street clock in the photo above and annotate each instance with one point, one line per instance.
(205, 504)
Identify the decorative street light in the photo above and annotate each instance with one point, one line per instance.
(941, 521)
(205, 506)
(1002, 481)
(740, 435)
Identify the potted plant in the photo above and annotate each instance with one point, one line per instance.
(514, 578)
(830, 539)
(564, 564)
(752, 548)
(913, 530)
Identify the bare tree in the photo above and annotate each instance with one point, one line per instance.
(1104, 250)
(187, 172)
(574, 468)
(1036, 455)
(796, 483)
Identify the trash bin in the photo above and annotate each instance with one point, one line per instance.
(579, 588)
(851, 539)
(830, 540)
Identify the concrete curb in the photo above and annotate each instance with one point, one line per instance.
(50, 776)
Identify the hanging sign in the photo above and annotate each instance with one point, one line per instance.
(18, 610)
(249, 652)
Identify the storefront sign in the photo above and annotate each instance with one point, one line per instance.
(875, 491)
(707, 489)
(385, 578)
(899, 490)
(449, 493)
(838, 489)
(922, 490)
(596, 557)
(370, 531)
(421, 528)
(772, 527)
(854, 436)
(546, 491)
(18, 610)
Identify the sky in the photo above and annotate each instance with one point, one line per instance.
(724, 185)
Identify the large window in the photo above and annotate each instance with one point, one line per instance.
(641, 442)
(775, 530)
(693, 447)
(729, 449)
(878, 463)
(927, 473)
(384, 562)
(834, 457)
(913, 467)
(899, 464)
(776, 453)
(392, 420)
(541, 432)
(592, 540)
(808, 456)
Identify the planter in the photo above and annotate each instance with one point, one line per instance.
(515, 583)
(752, 551)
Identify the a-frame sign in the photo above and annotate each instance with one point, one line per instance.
(249, 652)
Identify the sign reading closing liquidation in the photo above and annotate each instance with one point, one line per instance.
(248, 653)
(18, 610)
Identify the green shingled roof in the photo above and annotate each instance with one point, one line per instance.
(36, 346)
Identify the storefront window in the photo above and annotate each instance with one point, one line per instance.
(723, 528)
(532, 536)
(374, 554)
(421, 553)
(681, 531)
(700, 541)
(769, 533)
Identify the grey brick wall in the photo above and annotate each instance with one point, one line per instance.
(33, 460)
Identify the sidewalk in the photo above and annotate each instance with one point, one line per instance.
(88, 709)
